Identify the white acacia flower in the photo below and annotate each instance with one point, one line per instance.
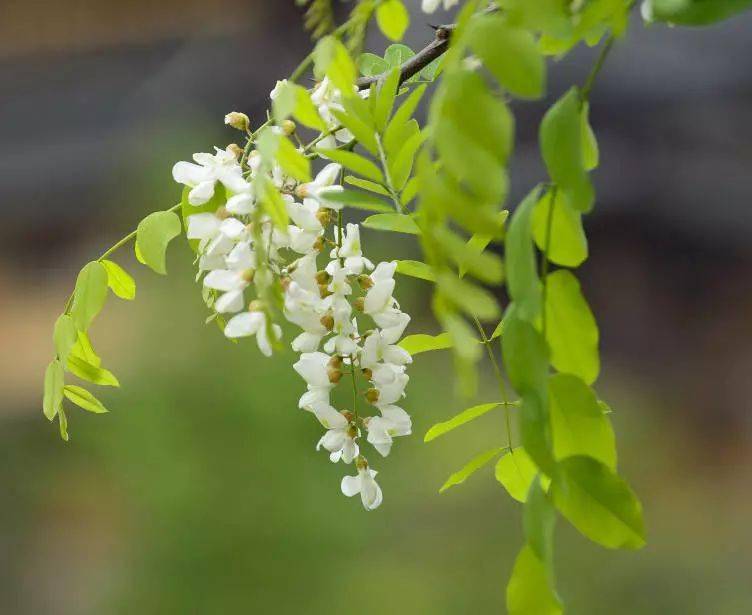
(242, 203)
(280, 85)
(429, 6)
(390, 382)
(392, 322)
(233, 280)
(313, 367)
(338, 439)
(304, 308)
(393, 422)
(323, 182)
(253, 323)
(365, 485)
(379, 347)
(202, 177)
(379, 298)
(351, 251)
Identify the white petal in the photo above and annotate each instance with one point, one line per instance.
(189, 174)
(240, 325)
(201, 193)
(230, 302)
(202, 226)
(222, 279)
(350, 485)
(240, 204)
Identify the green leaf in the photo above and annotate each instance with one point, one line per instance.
(485, 128)
(91, 373)
(528, 591)
(598, 503)
(571, 331)
(84, 350)
(366, 185)
(356, 199)
(579, 425)
(271, 200)
(64, 336)
(498, 331)
(362, 130)
(460, 419)
(397, 54)
(401, 165)
(568, 245)
(475, 464)
(470, 298)
(510, 54)
(522, 271)
(383, 98)
(332, 59)
(153, 235)
(516, 471)
(355, 162)
(590, 151)
(526, 359)
(486, 266)
(696, 12)
(371, 65)
(63, 424)
(295, 164)
(90, 294)
(119, 280)
(420, 342)
(562, 148)
(398, 223)
(84, 399)
(393, 135)
(539, 520)
(54, 380)
(393, 19)
(295, 100)
(416, 269)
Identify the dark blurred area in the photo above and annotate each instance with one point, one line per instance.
(201, 491)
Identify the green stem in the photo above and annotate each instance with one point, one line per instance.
(387, 176)
(605, 50)
(500, 379)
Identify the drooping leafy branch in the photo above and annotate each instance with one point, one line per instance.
(259, 219)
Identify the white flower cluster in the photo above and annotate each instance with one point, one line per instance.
(325, 303)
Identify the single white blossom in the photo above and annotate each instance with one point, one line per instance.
(393, 422)
(202, 177)
(253, 323)
(365, 485)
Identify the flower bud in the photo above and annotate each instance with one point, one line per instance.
(285, 281)
(237, 120)
(318, 245)
(359, 304)
(372, 395)
(235, 149)
(335, 361)
(365, 281)
(352, 431)
(302, 191)
(288, 127)
(248, 275)
(324, 216)
(361, 463)
(334, 374)
(367, 373)
(222, 213)
(327, 321)
(348, 415)
(324, 291)
(323, 277)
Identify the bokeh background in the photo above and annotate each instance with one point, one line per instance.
(201, 491)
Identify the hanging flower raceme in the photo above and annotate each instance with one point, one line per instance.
(330, 302)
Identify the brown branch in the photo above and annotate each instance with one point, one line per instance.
(419, 61)
(435, 49)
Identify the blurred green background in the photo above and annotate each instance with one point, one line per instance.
(201, 491)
